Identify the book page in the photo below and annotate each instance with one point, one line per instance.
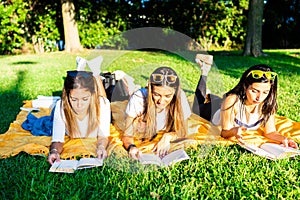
(258, 151)
(175, 156)
(150, 159)
(89, 162)
(65, 166)
(280, 151)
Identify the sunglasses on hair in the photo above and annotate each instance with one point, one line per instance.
(258, 74)
(75, 73)
(158, 78)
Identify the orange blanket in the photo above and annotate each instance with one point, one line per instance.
(200, 131)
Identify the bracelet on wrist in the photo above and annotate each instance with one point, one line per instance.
(53, 151)
(130, 146)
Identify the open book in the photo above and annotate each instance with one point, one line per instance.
(174, 157)
(70, 166)
(272, 151)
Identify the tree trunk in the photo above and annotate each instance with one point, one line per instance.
(253, 43)
(72, 42)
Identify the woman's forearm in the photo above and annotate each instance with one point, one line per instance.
(228, 133)
(102, 141)
(170, 136)
(127, 140)
(275, 136)
(56, 147)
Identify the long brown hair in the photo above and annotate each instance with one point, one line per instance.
(80, 80)
(175, 119)
(270, 103)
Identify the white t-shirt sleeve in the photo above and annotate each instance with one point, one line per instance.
(186, 109)
(59, 127)
(136, 104)
(105, 117)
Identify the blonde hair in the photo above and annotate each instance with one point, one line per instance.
(175, 119)
(80, 80)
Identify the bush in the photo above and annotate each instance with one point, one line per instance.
(12, 26)
(96, 35)
(42, 25)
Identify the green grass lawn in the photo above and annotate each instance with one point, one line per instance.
(214, 172)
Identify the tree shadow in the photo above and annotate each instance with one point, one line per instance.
(24, 63)
(10, 102)
(145, 77)
(283, 63)
(57, 93)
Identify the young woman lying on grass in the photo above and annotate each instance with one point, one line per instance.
(251, 104)
(163, 106)
(83, 112)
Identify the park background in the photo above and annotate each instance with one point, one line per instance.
(37, 48)
(45, 26)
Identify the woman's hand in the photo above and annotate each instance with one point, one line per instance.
(163, 146)
(289, 143)
(238, 133)
(53, 157)
(102, 142)
(275, 135)
(101, 152)
(55, 149)
(134, 153)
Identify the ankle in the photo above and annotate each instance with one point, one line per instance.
(204, 73)
(205, 69)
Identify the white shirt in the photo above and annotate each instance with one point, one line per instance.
(252, 121)
(161, 119)
(59, 126)
(138, 102)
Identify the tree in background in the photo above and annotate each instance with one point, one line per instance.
(212, 23)
(101, 23)
(43, 25)
(215, 24)
(28, 26)
(72, 42)
(12, 26)
(253, 42)
(281, 24)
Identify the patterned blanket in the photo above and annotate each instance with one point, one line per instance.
(200, 131)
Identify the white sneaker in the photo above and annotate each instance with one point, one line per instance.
(208, 59)
(80, 63)
(95, 65)
(205, 62)
(119, 74)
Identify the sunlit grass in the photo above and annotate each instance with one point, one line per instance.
(227, 172)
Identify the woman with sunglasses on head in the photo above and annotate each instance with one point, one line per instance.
(81, 113)
(252, 104)
(248, 106)
(163, 106)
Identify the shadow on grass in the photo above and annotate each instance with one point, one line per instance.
(24, 63)
(57, 93)
(10, 102)
(285, 63)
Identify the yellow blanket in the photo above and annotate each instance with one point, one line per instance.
(200, 131)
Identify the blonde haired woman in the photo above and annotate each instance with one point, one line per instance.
(81, 113)
(162, 106)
